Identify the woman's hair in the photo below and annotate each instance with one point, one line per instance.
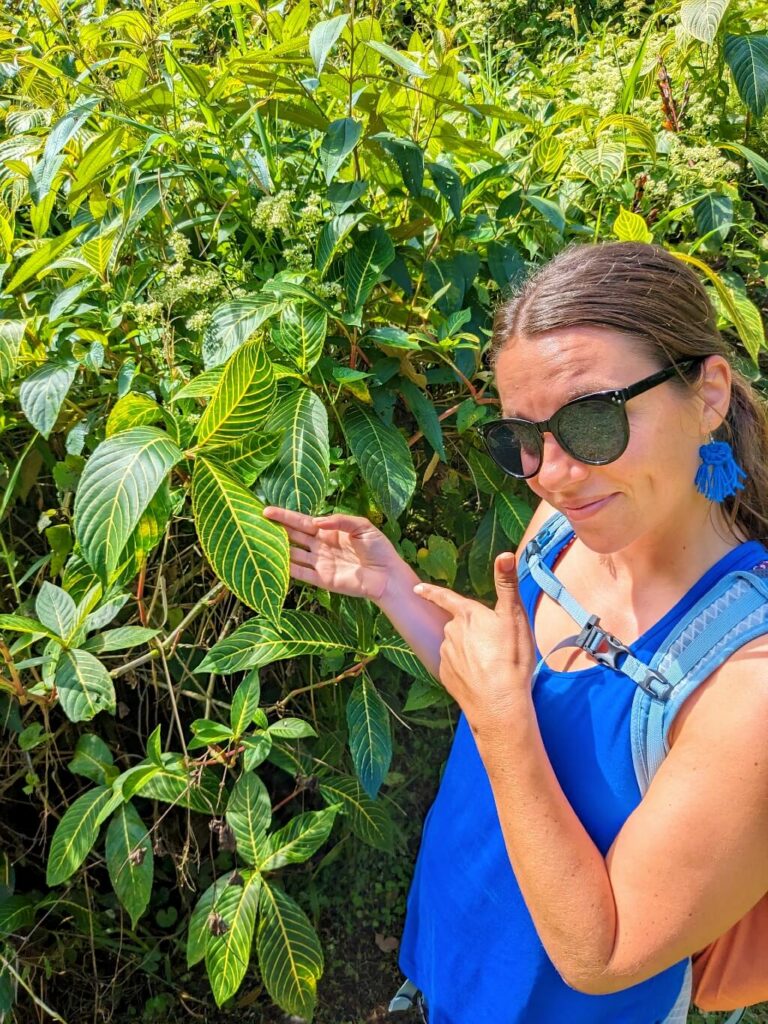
(660, 304)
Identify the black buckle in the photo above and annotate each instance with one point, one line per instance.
(593, 636)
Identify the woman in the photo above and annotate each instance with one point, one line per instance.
(545, 888)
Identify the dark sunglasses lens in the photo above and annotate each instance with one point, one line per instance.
(594, 431)
(514, 447)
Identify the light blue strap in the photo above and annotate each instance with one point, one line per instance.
(736, 1016)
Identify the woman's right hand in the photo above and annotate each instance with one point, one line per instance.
(340, 553)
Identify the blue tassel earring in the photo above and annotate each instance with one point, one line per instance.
(719, 474)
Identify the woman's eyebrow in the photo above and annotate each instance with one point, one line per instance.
(577, 391)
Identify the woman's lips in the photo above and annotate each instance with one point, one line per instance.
(588, 510)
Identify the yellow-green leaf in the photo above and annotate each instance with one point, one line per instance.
(243, 398)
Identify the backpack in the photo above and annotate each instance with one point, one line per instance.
(728, 973)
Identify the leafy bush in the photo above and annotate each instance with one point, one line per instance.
(251, 256)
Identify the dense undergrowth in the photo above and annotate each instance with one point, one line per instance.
(250, 255)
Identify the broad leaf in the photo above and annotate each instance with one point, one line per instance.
(298, 840)
(747, 57)
(340, 139)
(56, 610)
(243, 398)
(489, 541)
(130, 860)
(247, 457)
(76, 833)
(368, 819)
(11, 333)
(514, 515)
(228, 947)
(93, 759)
(301, 337)
(322, 37)
(370, 737)
(299, 478)
(384, 459)
(119, 480)
(248, 552)
(84, 686)
(199, 791)
(331, 237)
(245, 703)
(289, 952)
(257, 643)
(701, 18)
(120, 638)
(199, 925)
(714, 213)
(365, 262)
(232, 324)
(249, 813)
(42, 394)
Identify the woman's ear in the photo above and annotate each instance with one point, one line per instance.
(714, 390)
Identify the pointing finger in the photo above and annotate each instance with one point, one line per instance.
(444, 598)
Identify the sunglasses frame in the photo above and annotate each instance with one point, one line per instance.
(614, 396)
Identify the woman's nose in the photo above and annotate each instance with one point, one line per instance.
(557, 465)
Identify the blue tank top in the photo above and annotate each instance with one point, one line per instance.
(469, 942)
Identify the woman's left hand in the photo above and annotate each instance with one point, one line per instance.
(488, 655)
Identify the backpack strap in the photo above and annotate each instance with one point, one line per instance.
(550, 535)
(730, 614)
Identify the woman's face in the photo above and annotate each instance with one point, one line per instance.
(652, 482)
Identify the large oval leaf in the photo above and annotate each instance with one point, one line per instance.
(290, 956)
(299, 478)
(369, 256)
(384, 459)
(368, 819)
(747, 57)
(248, 552)
(42, 394)
(701, 18)
(249, 813)
(298, 840)
(233, 323)
(84, 686)
(323, 36)
(118, 482)
(370, 736)
(489, 542)
(258, 643)
(77, 831)
(301, 337)
(247, 457)
(243, 398)
(199, 925)
(130, 860)
(228, 948)
(11, 333)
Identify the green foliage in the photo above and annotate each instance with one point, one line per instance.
(250, 255)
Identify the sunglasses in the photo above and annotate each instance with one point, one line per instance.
(592, 428)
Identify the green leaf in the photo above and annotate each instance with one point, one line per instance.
(331, 236)
(201, 386)
(364, 264)
(701, 18)
(426, 415)
(289, 952)
(232, 324)
(93, 759)
(340, 139)
(747, 57)
(249, 813)
(76, 833)
(228, 952)
(322, 37)
(198, 791)
(130, 860)
(120, 638)
(631, 227)
(489, 541)
(487, 476)
(64, 129)
(243, 399)
(291, 729)
(84, 686)
(395, 649)
(248, 552)
(409, 158)
(247, 457)
(118, 482)
(439, 558)
(257, 643)
(42, 394)
(11, 334)
(449, 185)
(245, 703)
(758, 163)
(56, 610)
(41, 259)
(299, 478)
(132, 410)
(303, 327)
(714, 213)
(370, 737)
(16, 913)
(257, 749)
(199, 927)
(23, 624)
(298, 840)
(514, 515)
(603, 164)
(384, 459)
(368, 819)
(208, 733)
(549, 209)
(396, 58)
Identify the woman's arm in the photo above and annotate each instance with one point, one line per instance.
(687, 864)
